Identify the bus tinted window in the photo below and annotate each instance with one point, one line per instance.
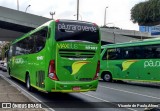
(135, 52)
(32, 44)
(104, 57)
(151, 51)
(30, 47)
(114, 54)
(40, 39)
(128, 53)
(19, 47)
(77, 31)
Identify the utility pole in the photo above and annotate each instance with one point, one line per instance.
(17, 4)
(77, 9)
(105, 16)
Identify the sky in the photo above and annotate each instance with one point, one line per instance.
(117, 13)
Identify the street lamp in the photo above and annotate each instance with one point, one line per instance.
(17, 4)
(27, 8)
(79, 16)
(114, 37)
(52, 13)
(105, 16)
(77, 9)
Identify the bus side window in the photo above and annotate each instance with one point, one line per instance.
(148, 52)
(128, 53)
(20, 47)
(30, 45)
(138, 51)
(112, 56)
(40, 39)
(10, 52)
(157, 53)
(105, 55)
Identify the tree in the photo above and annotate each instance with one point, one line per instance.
(4, 49)
(146, 13)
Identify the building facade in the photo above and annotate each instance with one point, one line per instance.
(153, 30)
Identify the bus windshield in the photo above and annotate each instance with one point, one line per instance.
(73, 31)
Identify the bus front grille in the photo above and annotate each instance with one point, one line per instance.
(76, 53)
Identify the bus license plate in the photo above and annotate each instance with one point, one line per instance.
(76, 88)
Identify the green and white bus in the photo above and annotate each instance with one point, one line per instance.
(138, 61)
(59, 56)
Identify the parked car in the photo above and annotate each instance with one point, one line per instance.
(1, 64)
(4, 67)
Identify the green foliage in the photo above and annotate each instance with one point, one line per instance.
(146, 13)
(4, 49)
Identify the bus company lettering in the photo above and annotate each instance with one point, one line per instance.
(19, 61)
(75, 46)
(91, 47)
(67, 46)
(151, 63)
(69, 27)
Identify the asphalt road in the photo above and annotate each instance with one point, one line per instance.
(121, 93)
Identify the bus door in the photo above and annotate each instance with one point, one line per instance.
(114, 62)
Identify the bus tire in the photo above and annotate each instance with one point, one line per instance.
(28, 85)
(107, 77)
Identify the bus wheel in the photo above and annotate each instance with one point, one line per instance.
(28, 85)
(107, 77)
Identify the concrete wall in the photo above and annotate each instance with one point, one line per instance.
(114, 37)
(127, 32)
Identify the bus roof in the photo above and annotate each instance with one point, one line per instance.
(133, 43)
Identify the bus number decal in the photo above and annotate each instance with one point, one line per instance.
(91, 47)
(40, 57)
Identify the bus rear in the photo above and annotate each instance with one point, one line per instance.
(75, 64)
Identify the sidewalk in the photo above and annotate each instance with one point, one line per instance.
(8, 93)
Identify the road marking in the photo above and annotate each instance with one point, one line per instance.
(129, 92)
(105, 100)
(17, 86)
(95, 97)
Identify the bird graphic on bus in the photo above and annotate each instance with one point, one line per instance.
(126, 64)
(76, 66)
